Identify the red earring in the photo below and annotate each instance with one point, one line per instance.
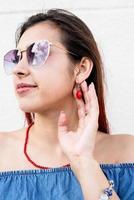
(78, 93)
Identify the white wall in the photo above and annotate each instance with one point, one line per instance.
(112, 23)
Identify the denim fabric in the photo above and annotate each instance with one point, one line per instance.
(61, 183)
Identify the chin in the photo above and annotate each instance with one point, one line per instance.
(36, 106)
(32, 108)
(28, 108)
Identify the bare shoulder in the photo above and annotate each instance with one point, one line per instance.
(2, 138)
(11, 146)
(9, 138)
(124, 143)
(120, 147)
(115, 148)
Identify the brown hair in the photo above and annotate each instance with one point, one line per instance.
(77, 38)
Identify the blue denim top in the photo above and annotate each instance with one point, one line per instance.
(61, 183)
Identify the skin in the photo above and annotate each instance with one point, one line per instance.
(58, 137)
(70, 136)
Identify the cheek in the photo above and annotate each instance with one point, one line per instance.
(56, 85)
(56, 77)
(56, 80)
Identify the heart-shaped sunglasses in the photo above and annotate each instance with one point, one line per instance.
(37, 54)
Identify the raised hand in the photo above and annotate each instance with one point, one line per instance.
(81, 143)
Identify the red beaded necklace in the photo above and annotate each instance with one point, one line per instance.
(27, 156)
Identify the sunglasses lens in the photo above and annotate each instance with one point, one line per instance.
(37, 53)
(10, 60)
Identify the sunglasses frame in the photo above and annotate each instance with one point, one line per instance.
(20, 51)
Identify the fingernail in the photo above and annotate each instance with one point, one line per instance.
(91, 85)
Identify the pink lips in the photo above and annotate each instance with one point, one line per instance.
(24, 87)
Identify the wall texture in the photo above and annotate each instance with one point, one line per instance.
(112, 23)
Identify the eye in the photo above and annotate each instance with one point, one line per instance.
(30, 54)
(38, 52)
(17, 56)
(40, 48)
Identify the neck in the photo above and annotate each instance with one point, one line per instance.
(45, 128)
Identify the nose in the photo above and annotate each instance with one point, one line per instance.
(22, 68)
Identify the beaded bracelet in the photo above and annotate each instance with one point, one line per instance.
(107, 192)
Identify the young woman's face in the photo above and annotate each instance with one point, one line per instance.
(54, 78)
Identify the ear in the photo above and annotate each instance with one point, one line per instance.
(83, 69)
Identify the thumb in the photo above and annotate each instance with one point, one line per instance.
(62, 123)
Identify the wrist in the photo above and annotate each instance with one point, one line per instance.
(83, 164)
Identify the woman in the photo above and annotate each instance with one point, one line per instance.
(66, 151)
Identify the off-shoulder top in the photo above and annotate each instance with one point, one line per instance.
(61, 183)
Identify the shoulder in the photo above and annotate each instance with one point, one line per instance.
(11, 146)
(2, 139)
(124, 144)
(115, 148)
(8, 139)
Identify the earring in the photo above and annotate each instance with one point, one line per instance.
(78, 93)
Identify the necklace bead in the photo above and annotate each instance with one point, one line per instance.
(27, 156)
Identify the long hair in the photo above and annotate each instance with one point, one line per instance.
(77, 38)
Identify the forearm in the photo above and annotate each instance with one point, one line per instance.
(92, 179)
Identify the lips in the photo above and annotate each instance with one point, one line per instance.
(24, 87)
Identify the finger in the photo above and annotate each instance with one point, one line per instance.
(86, 96)
(91, 121)
(81, 110)
(94, 106)
(62, 123)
